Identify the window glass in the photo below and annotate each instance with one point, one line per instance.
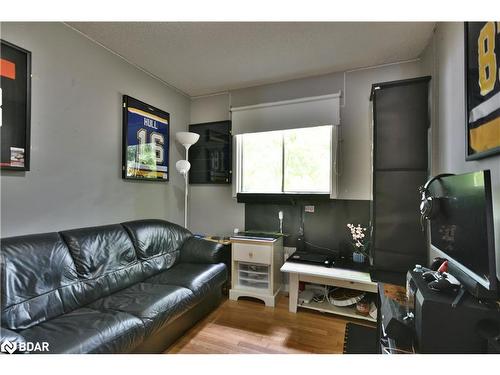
(262, 162)
(287, 161)
(307, 160)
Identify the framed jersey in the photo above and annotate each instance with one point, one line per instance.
(482, 88)
(146, 139)
(15, 107)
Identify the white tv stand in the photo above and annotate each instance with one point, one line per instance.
(327, 276)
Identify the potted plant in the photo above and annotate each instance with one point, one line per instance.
(359, 242)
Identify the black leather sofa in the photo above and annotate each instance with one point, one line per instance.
(130, 287)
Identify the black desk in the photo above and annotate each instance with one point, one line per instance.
(438, 326)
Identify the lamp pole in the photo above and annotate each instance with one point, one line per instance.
(187, 139)
(186, 177)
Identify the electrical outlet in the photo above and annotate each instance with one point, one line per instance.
(309, 209)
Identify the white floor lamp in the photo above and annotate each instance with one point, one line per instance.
(187, 139)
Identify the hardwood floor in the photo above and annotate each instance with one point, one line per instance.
(247, 326)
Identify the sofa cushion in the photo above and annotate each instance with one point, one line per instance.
(35, 270)
(199, 278)
(105, 260)
(154, 304)
(157, 243)
(99, 250)
(89, 331)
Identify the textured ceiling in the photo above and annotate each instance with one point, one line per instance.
(206, 57)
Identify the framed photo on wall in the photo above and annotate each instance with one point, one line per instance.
(15, 107)
(210, 157)
(145, 152)
(482, 89)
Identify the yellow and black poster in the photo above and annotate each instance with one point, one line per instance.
(482, 75)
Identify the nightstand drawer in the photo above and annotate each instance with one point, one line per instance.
(252, 253)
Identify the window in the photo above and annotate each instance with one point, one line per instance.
(286, 161)
(262, 162)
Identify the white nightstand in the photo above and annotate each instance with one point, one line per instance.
(256, 268)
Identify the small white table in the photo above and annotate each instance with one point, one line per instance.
(256, 268)
(327, 276)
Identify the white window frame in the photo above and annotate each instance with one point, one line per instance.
(238, 180)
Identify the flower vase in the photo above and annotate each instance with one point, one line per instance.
(358, 257)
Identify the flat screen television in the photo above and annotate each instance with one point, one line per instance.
(462, 229)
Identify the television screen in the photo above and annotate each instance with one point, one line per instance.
(463, 227)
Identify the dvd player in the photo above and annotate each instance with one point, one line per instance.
(312, 258)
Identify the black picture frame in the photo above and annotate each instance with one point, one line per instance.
(473, 97)
(211, 156)
(15, 106)
(155, 128)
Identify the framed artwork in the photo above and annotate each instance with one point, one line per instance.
(15, 107)
(145, 152)
(482, 89)
(210, 157)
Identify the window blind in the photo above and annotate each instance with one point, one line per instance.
(289, 114)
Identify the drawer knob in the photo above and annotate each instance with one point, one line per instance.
(250, 255)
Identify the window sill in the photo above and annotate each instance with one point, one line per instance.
(285, 198)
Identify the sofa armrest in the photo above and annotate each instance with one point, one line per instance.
(12, 337)
(197, 250)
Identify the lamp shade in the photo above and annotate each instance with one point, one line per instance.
(183, 166)
(187, 139)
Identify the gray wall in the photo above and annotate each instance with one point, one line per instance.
(444, 58)
(75, 178)
(355, 179)
(211, 207)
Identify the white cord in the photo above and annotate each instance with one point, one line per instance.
(328, 296)
(391, 351)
